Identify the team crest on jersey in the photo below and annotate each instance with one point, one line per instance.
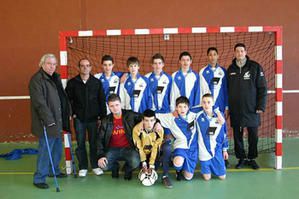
(115, 81)
(246, 75)
(141, 86)
(164, 82)
(220, 73)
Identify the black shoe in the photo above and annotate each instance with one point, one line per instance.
(241, 164)
(41, 185)
(227, 164)
(115, 172)
(253, 164)
(179, 175)
(128, 175)
(61, 175)
(166, 182)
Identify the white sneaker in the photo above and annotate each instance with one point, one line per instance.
(82, 172)
(98, 171)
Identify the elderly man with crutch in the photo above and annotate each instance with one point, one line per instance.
(50, 111)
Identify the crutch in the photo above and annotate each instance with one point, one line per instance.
(51, 160)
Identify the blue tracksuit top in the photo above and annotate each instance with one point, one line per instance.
(211, 136)
(187, 86)
(136, 95)
(215, 82)
(160, 88)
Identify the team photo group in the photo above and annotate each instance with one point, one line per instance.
(150, 122)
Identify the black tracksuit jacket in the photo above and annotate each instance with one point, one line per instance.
(247, 91)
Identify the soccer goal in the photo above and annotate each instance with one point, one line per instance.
(264, 45)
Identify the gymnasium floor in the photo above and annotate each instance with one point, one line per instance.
(16, 181)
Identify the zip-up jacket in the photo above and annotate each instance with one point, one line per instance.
(129, 119)
(247, 91)
(87, 99)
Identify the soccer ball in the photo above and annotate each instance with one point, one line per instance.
(146, 178)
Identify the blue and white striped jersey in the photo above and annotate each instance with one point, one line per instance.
(160, 89)
(110, 85)
(214, 82)
(187, 86)
(211, 136)
(136, 95)
(183, 130)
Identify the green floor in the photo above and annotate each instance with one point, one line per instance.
(16, 181)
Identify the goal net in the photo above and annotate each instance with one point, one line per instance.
(170, 42)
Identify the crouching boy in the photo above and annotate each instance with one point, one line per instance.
(212, 141)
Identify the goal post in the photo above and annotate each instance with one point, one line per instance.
(264, 45)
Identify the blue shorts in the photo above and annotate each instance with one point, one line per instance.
(190, 156)
(215, 166)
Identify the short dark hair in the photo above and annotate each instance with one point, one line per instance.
(158, 56)
(207, 95)
(182, 100)
(113, 97)
(239, 45)
(185, 53)
(212, 49)
(132, 60)
(84, 58)
(107, 58)
(148, 113)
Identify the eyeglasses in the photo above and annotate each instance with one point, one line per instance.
(87, 65)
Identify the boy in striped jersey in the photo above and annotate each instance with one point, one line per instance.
(183, 129)
(185, 82)
(212, 141)
(213, 80)
(135, 92)
(110, 80)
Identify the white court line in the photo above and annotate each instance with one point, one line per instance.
(28, 97)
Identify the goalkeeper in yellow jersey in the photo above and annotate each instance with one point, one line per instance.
(147, 140)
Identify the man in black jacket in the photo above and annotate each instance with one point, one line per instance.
(50, 109)
(115, 141)
(247, 100)
(88, 103)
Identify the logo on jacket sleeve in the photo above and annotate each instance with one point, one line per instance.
(247, 75)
